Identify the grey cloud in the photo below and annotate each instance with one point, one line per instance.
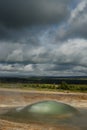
(19, 16)
(77, 22)
(7, 49)
(19, 13)
(24, 35)
(69, 52)
(61, 70)
(60, 67)
(38, 69)
(29, 45)
(78, 28)
(17, 67)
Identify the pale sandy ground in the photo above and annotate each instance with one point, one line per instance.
(14, 98)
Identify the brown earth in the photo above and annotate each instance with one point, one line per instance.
(6, 125)
(13, 98)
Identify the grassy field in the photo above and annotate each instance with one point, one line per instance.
(51, 87)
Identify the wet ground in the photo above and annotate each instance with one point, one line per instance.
(11, 99)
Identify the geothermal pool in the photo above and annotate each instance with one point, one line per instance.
(51, 113)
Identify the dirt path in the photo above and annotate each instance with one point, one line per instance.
(36, 91)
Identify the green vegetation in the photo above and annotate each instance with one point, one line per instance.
(54, 87)
(70, 87)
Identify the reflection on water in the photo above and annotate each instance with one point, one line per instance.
(78, 121)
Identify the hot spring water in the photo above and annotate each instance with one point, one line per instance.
(50, 112)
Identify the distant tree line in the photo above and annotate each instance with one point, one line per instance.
(42, 80)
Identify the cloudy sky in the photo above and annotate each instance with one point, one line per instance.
(43, 37)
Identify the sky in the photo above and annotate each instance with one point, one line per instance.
(43, 37)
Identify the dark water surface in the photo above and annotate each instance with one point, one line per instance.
(78, 121)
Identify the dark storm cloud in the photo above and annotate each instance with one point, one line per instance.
(43, 37)
(21, 13)
(28, 35)
(16, 16)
